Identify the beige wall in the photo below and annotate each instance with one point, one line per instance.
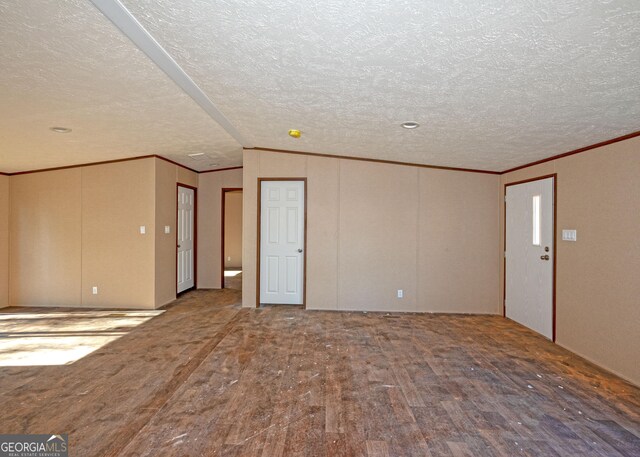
(165, 244)
(210, 187)
(74, 229)
(598, 280)
(168, 176)
(45, 230)
(117, 199)
(457, 224)
(184, 176)
(233, 230)
(4, 241)
(374, 228)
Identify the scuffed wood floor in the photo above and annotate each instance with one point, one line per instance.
(208, 378)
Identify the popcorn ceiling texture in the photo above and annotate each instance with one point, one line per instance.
(495, 84)
(65, 64)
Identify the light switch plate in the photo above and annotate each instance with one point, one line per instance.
(143, 230)
(569, 235)
(167, 229)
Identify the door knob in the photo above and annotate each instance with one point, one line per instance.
(545, 257)
(178, 245)
(299, 250)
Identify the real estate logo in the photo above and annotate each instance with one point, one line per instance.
(34, 445)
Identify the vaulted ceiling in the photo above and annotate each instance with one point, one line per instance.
(493, 83)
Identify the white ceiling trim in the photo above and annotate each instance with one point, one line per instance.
(122, 18)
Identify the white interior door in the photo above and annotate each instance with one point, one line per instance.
(529, 255)
(282, 242)
(185, 236)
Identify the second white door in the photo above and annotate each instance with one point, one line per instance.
(529, 255)
(185, 237)
(282, 242)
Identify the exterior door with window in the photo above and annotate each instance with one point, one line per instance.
(529, 254)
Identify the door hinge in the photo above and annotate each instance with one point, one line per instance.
(505, 253)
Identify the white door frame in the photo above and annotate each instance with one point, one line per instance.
(304, 253)
(195, 236)
(555, 244)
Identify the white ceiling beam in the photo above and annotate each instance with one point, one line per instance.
(122, 18)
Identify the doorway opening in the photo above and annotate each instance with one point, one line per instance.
(231, 239)
(530, 254)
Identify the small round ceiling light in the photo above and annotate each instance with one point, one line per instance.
(293, 133)
(410, 125)
(60, 129)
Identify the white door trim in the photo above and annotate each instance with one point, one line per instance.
(259, 236)
(554, 250)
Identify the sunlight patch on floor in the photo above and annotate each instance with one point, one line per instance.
(60, 338)
(232, 273)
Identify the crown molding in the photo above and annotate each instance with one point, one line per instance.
(575, 151)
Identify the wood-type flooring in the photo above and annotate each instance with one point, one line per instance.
(207, 377)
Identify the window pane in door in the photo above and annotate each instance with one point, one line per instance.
(536, 220)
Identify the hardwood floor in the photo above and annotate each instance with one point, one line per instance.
(233, 282)
(209, 378)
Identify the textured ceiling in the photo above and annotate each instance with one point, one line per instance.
(65, 64)
(495, 84)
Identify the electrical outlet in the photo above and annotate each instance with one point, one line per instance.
(143, 230)
(229, 259)
(167, 229)
(94, 290)
(400, 293)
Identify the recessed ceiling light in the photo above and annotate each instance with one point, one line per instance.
(410, 125)
(60, 129)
